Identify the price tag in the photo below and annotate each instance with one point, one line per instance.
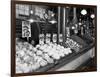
(48, 36)
(60, 38)
(41, 38)
(54, 38)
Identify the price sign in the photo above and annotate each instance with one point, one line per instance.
(26, 29)
(48, 38)
(54, 38)
(41, 38)
(60, 38)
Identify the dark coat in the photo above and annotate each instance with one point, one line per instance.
(35, 30)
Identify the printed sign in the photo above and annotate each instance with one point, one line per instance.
(26, 29)
(48, 36)
(54, 38)
(41, 38)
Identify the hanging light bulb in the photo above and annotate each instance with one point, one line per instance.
(92, 16)
(53, 21)
(73, 27)
(31, 20)
(31, 12)
(52, 14)
(84, 12)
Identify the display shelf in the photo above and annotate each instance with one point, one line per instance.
(63, 61)
(53, 65)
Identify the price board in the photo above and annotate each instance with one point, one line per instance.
(26, 29)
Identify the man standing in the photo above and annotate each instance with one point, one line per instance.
(35, 30)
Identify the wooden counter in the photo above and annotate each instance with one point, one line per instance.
(70, 62)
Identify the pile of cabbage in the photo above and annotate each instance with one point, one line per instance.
(30, 58)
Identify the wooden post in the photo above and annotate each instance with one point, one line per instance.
(64, 12)
(58, 32)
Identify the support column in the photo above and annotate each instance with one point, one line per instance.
(59, 8)
(64, 12)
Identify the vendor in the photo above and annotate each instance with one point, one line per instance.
(35, 30)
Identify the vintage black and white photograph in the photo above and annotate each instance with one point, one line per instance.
(54, 38)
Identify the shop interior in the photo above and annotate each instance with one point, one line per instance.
(55, 38)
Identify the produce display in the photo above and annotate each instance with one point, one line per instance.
(29, 58)
(73, 45)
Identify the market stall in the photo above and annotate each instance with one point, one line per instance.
(53, 38)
